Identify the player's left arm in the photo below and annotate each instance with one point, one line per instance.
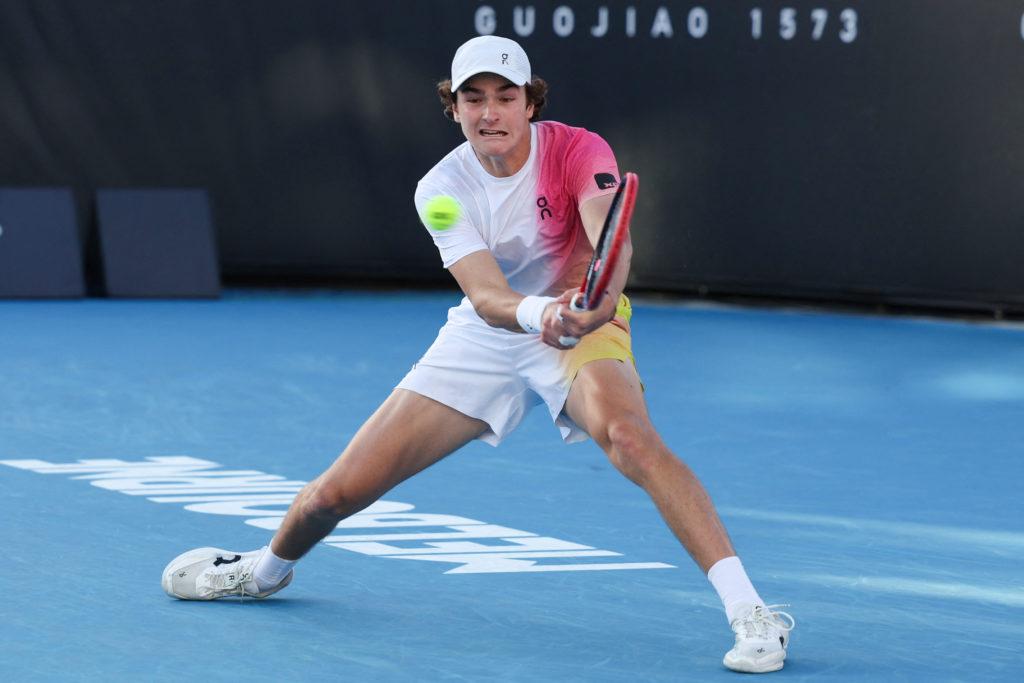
(593, 213)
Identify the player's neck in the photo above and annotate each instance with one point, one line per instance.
(505, 165)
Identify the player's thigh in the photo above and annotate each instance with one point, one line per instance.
(408, 433)
(605, 393)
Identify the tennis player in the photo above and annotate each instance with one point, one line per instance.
(534, 196)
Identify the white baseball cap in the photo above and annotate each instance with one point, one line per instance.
(490, 54)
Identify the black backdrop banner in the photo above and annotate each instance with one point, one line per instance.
(866, 149)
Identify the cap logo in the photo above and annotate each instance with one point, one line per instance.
(504, 58)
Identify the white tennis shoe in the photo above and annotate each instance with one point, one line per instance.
(211, 573)
(761, 639)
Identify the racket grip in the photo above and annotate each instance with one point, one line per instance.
(574, 305)
(565, 340)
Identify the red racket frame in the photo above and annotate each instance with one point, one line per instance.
(616, 229)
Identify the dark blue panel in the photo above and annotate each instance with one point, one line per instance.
(157, 243)
(40, 251)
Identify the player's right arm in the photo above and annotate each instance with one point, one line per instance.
(485, 285)
(483, 282)
(467, 258)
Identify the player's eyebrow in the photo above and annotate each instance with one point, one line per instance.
(467, 89)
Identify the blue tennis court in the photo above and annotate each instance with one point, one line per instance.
(868, 468)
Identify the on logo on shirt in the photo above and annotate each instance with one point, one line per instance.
(545, 212)
(605, 180)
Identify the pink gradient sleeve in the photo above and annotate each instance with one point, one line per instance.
(591, 168)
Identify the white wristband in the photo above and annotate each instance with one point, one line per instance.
(530, 313)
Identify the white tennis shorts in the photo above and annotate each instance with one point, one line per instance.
(497, 376)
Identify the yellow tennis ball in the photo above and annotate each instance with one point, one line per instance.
(441, 212)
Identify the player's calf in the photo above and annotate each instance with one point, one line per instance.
(326, 501)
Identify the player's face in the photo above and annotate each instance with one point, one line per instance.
(495, 118)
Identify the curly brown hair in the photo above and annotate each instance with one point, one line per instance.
(536, 94)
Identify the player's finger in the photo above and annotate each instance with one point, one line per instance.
(570, 328)
(555, 341)
(574, 324)
(577, 324)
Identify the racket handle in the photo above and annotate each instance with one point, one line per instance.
(566, 340)
(575, 307)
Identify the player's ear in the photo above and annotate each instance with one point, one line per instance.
(529, 110)
(455, 112)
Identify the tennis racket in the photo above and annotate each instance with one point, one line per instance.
(606, 253)
(609, 245)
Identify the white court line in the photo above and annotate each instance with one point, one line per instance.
(997, 540)
(1009, 595)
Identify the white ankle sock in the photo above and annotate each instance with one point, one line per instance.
(732, 585)
(270, 569)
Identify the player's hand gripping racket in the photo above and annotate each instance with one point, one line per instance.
(606, 253)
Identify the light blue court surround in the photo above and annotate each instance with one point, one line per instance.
(869, 470)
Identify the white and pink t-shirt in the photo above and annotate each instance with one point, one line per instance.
(529, 221)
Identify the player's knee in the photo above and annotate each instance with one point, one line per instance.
(633, 447)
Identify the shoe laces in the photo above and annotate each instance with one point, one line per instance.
(230, 579)
(762, 618)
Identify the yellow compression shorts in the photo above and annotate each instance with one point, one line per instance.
(611, 340)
